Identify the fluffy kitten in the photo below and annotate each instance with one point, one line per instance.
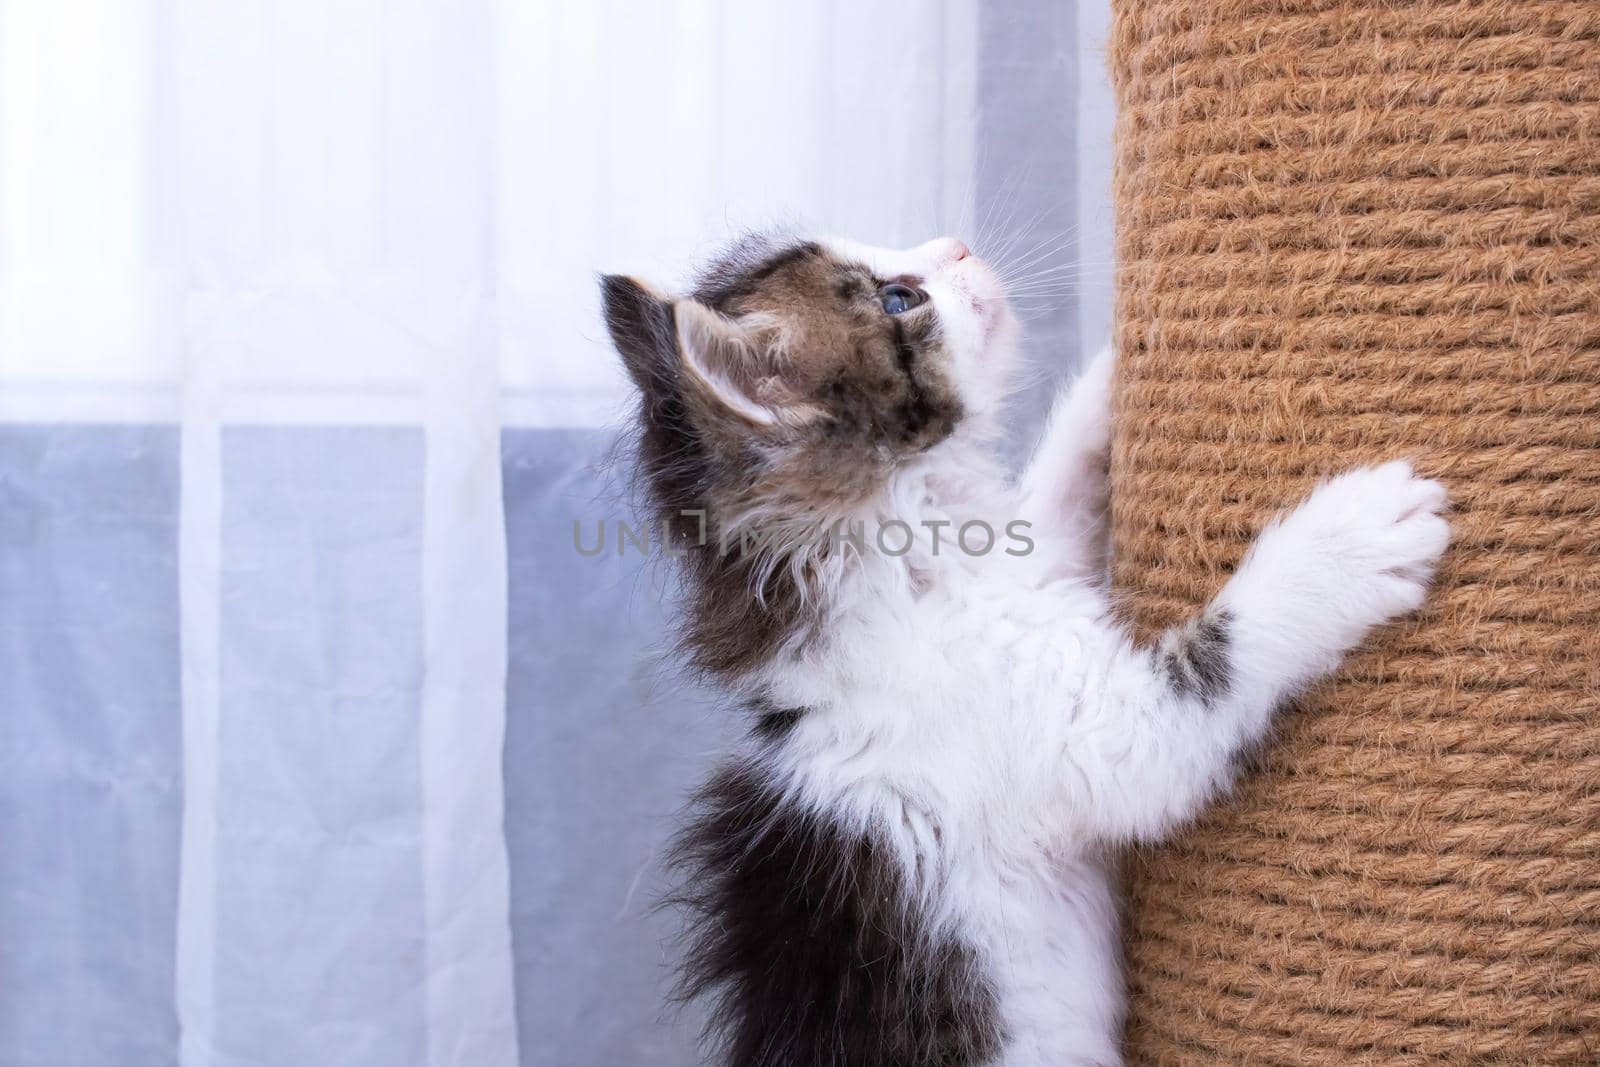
(906, 862)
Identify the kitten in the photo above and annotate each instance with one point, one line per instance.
(908, 859)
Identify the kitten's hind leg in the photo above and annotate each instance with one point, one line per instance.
(1063, 489)
(1163, 733)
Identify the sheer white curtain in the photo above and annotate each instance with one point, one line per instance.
(274, 224)
(273, 278)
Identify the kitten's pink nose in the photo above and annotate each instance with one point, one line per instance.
(939, 253)
(944, 251)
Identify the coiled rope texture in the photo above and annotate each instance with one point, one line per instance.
(1352, 232)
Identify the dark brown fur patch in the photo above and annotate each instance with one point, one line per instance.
(772, 722)
(809, 949)
(743, 269)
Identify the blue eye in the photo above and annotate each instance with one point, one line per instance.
(898, 299)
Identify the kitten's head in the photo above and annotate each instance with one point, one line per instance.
(798, 375)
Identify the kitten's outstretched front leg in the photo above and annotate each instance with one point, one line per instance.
(1063, 490)
(1163, 733)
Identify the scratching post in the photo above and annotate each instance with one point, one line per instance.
(1353, 232)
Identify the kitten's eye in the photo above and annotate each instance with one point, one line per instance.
(898, 298)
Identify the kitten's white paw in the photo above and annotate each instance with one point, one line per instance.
(1090, 402)
(1359, 552)
(1067, 476)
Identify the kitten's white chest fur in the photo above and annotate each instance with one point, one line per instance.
(926, 723)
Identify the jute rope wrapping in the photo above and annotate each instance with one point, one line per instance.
(1352, 232)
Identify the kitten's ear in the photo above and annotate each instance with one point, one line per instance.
(640, 321)
(685, 349)
(722, 365)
